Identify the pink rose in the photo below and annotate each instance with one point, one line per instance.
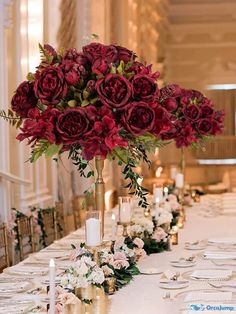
(119, 256)
(140, 253)
(159, 234)
(139, 242)
(120, 263)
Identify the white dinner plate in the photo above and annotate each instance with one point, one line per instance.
(183, 263)
(173, 284)
(150, 270)
(16, 306)
(21, 270)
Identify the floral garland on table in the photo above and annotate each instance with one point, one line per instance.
(153, 236)
(83, 272)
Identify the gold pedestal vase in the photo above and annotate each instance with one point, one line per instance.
(100, 190)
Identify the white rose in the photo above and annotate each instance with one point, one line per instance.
(97, 276)
(82, 269)
(107, 271)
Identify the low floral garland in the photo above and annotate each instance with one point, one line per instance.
(153, 236)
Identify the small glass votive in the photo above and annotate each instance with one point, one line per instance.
(110, 285)
(174, 235)
(180, 222)
(125, 212)
(93, 233)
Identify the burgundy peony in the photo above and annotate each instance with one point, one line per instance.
(114, 91)
(24, 99)
(204, 126)
(192, 112)
(125, 54)
(144, 88)
(138, 118)
(50, 85)
(93, 51)
(170, 104)
(207, 111)
(74, 124)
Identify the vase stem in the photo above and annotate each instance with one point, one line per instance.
(100, 189)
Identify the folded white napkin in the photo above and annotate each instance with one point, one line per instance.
(208, 296)
(16, 286)
(211, 274)
(219, 255)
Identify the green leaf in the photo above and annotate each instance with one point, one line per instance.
(52, 150)
(30, 77)
(121, 67)
(113, 70)
(72, 103)
(84, 103)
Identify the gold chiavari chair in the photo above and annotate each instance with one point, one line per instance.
(59, 206)
(25, 236)
(4, 250)
(49, 219)
(79, 210)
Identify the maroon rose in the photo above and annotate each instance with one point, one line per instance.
(110, 53)
(138, 118)
(125, 54)
(162, 122)
(74, 124)
(93, 51)
(101, 67)
(170, 104)
(50, 85)
(204, 126)
(170, 91)
(207, 111)
(114, 91)
(144, 88)
(192, 112)
(24, 99)
(217, 127)
(71, 72)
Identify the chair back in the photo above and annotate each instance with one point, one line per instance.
(4, 249)
(79, 210)
(25, 235)
(59, 206)
(49, 220)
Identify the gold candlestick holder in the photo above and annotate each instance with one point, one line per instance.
(147, 212)
(95, 250)
(125, 228)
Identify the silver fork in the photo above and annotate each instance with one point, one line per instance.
(222, 264)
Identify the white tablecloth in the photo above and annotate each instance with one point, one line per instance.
(143, 295)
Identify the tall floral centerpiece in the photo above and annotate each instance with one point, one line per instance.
(96, 103)
(193, 117)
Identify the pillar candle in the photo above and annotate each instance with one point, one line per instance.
(179, 181)
(173, 172)
(93, 232)
(125, 212)
(52, 286)
(157, 193)
(113, 227)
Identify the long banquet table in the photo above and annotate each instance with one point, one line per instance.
(144, 295)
